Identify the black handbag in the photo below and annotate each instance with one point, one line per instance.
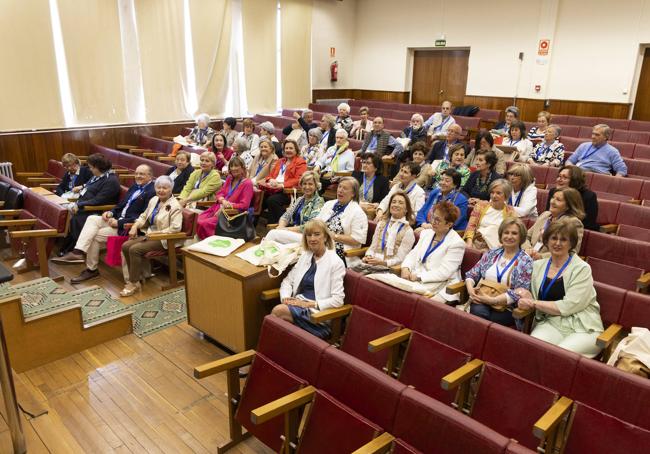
(238, 226)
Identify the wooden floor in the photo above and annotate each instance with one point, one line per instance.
(129, 395)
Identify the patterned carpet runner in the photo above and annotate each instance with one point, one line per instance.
(159, 313)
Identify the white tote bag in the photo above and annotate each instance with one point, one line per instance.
(217, 245)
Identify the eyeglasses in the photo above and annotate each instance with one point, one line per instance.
(437, 220)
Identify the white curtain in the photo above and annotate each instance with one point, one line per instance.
(296, 52)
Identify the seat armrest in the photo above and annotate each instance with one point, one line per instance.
(272, 226)
(379, 445)
(205, 203)
(48, 185)
(608, 228)
(270, 295)
(220, 365)
(553, 416)
(42, 180)
(166, 158)
(29, 174)
(100, 208)
(331, 314)
(17, 222)
(44, 233)
(120, 170)
(607, 337)
(461, 375)
(343, 174)
(152, 154)
(389, 340)
(126, 147)
(356, 252)
(166, 236)
(125, 176)
(14, 212)
(458, 287)
(283, 405)
(397, 269)
(643, 282)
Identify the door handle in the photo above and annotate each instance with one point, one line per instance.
(441, 92)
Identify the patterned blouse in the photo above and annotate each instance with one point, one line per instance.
(535, 133)
(552, 155)
(518, 276)
(302, 210)
(462, 169)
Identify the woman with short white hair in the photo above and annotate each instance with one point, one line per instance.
(267, 130)
(344, 120)
(416, 132)
(314, 150)
(201, 134)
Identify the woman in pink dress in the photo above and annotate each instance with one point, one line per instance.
(237, 193)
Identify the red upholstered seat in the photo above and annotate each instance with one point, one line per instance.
(542, 200)
(610, 299)
(607, 211)
(499, 390)
(639, 168)
(362, 327)
(559, 119)
(530, 358)
(333, 427)
(372, 225)
(639, 125)
(620, 135)
(471, 258)
(632, 232)
(642, 137)
(628, 187)
(616, 249)
(492, 115)
(450, 326)
(467, 122)
(539, 172)
(615, 123)
(582, 121)
(426, 362)
(595, 432)
(364, 389)
(55, 168)
(516, 448)
(625, 148)
(568, 130)
(425, 425)
(641, 151)
(329, 108)
(291, 347)
(351, 283)
(188, 227)
(636, 311)
(585, 132)
(612, 391)
(386, 301)
(266, 382)
(614, 274)
(570, 142)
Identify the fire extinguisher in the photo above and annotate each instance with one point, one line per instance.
(334, 72)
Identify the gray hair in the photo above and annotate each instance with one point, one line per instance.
(341, 132)
(606, 129)
(513, 110)
(329, 119)
(505, 186)
(164, 180)
(417, 116)
(345, 106)
(355, 186)
(557, 129)
(148, 168)
(306, 111)
(316, 132)
(268, 127)
(203, 117)
(311, 174)
(240, 144)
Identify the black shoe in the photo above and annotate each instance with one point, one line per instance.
(85, 275)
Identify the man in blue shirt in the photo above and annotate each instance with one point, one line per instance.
(599, 156)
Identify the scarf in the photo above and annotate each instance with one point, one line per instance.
(334, 163)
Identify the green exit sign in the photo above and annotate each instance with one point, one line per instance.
(441, 42)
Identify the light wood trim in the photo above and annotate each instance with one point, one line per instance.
(42, 180)
(356, 252)
(101, 208)
(608, 336)
(379, 445)
(125, 147)
(14, 212)
(220, 365)
(17, 222)
(389, 340)
(462, 374)
(152, 154)
(33, 233)
(331, 314)
(205, 203)
(272, 226)
(165, 158)
(343, 174)
(140, 150)
(397, 269)
(125, 176)
(270, 295)
(458, 288)
(29, 174)
(552, 417)
(48, 185)
(120, 170)
(166, 236)
(168, 138)
(643, 282)
(609, 228)
(283, 405)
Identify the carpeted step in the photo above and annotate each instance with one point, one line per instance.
(158, 313)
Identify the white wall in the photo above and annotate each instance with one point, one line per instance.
(333, 26)
(594, 44)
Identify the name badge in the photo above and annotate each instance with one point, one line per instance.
(83, 191)
(579, 164)
(538, 247)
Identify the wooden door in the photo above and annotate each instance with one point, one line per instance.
(642, 102)
(439, 75)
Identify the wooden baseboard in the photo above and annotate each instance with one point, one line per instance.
(354, 93)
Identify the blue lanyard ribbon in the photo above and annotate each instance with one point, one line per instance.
(73, 178)
(297, 213)
(587, 153)
(383, 236)
(153, 213)
(336, 210)
(541, 150)
(444, 122)
(367, 188)
(543, 288)
(134, 196)
(412, 187)
(260, 166)
(232, 189)
(431, 250)
(201, 178)
(518, 201)
(500, 273)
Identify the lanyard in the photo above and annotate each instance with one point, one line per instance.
(516, 202)
(500, 273)
(544, 289)
(153, 213)
(282, 168)
(367, 188)
(383, 236)
(134, 196)
(587, 155)
(334, 163)
(198, 183)
(73, 178)
(446, 150)
(439, 127)
(325, 135)
(297, 214)
(260, 166)
(337, 209)
(514, 142)
(412, 187)
(431, 250)
(373, 142)
(231, 190)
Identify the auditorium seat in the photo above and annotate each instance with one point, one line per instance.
(542, 200)
(568, 131)
(559, 119)
(638, 168)
(625, 148)
(642, 137)
(385, 300)
(617, 274)
(329, 108)
(582, 121)
(634, 233)
(635, 312)
(629, 214)
(615, 249)
(629, 188)
(607, 211)
(638, 125)
(585, 132)
(571, 142)
(615, 123)
(641, 151)
(620, 135)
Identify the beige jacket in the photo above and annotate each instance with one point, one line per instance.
(536, 232)
(169, 218)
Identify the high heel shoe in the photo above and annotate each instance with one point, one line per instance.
(130, 289)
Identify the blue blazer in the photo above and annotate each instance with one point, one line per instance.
(137, 206)
(459, 199)
(64, 186)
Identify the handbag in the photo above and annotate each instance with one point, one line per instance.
(237, 226)
(114, 249)
(492, 288)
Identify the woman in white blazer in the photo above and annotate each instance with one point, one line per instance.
(435, 261)
(164, 214)
(315, 283)
(346, 221)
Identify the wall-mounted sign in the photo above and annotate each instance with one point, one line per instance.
(332, 52)
(544, 45)
(441, 42)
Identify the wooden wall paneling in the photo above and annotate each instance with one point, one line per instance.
(589, 108)
(350, 93)
(529, 108)
(642, 101)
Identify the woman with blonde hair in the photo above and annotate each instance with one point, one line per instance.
(315, 283)
(203, 182)
(487, 216)
(524, 192)
(262, 164)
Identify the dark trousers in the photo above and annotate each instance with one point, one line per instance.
(277, 205)
(484, 311)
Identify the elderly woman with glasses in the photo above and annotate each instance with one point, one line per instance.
(344, 120)
(487, 216)
(314, 150)
(549, 151)
(373, 185)
(201, 134)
